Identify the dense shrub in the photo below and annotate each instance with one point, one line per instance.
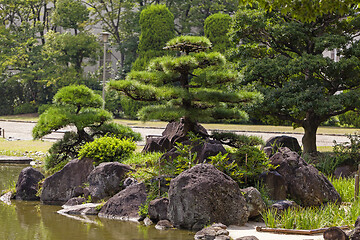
(216, 27)
(25, 108)
(157, 27)
(115, 130)
(348, 152)
(108, 149)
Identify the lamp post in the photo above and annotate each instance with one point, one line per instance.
(105, 36)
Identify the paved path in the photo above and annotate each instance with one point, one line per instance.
(22, 130)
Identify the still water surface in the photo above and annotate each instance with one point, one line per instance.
(23, 220)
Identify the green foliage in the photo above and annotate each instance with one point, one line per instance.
(286, 63)
(252, 162)
(236, 140)
(107, 149)
(348, 152)
(181, 87)
(305, 10)
(185, 160)
(351, 118)
(67, 49)
(157, 27)
(216, 27)
(70, 14)
(146, 165)
(25, 108)
(312, 217)
(116, 130)
(227, 166)
(324, 162)
(79, 107)
(62, 151)
(190, 15)
(345, 187)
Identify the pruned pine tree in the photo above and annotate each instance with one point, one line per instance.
(193, 87)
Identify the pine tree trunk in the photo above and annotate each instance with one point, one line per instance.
(310, 126)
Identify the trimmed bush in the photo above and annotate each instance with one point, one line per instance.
(157, 27)
(107, 149)
(216, 27)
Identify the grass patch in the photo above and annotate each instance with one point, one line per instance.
(24, 146)
(345, 187)
(319, 217)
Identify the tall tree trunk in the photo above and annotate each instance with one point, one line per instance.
(310, 126)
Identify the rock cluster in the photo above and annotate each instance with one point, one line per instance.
(300, 180)
(204, 194)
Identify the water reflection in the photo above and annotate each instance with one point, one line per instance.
(24, 220)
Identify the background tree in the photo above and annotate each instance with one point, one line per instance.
(186, 86)
(70, 14)
(285, 60)
(190, 14)
(121, 20)
(216, 29)
(80, 107)
(157, 27)
(72, 50)
(305, 10)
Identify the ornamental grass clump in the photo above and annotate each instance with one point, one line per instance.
(328, 215)
(108, 149)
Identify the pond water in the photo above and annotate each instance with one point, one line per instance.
(25, 220)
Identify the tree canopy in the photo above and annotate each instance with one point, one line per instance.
(285, 60)
(191, 86)
(81, 108)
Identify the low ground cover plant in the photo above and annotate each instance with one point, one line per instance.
(324, 216)
(107, 149)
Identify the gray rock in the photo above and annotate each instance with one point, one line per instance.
(254, 201)
(204, 194)
(6, 198)
(106, 180)
(125, 204)
(158, 209)
(75, 201)
(174, 132)
(335, 233)
(82, 209)
(354, 234)
(305, 183)
(148, 222)
(247, 238)
(283, 205)
(283, 141)
(129, 181)
(275, 185)
(66, 183)
(163, 225)
(215, 231)
(27, 185)
(344, 171)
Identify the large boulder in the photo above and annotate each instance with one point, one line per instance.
(276, 185)
(174, 132)
(305, 183)
(27, 185)
(283, 141)
(158, 209)
(106, 180)
(202, 195)
(125, 204)
(66, 183)
(254, 201)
